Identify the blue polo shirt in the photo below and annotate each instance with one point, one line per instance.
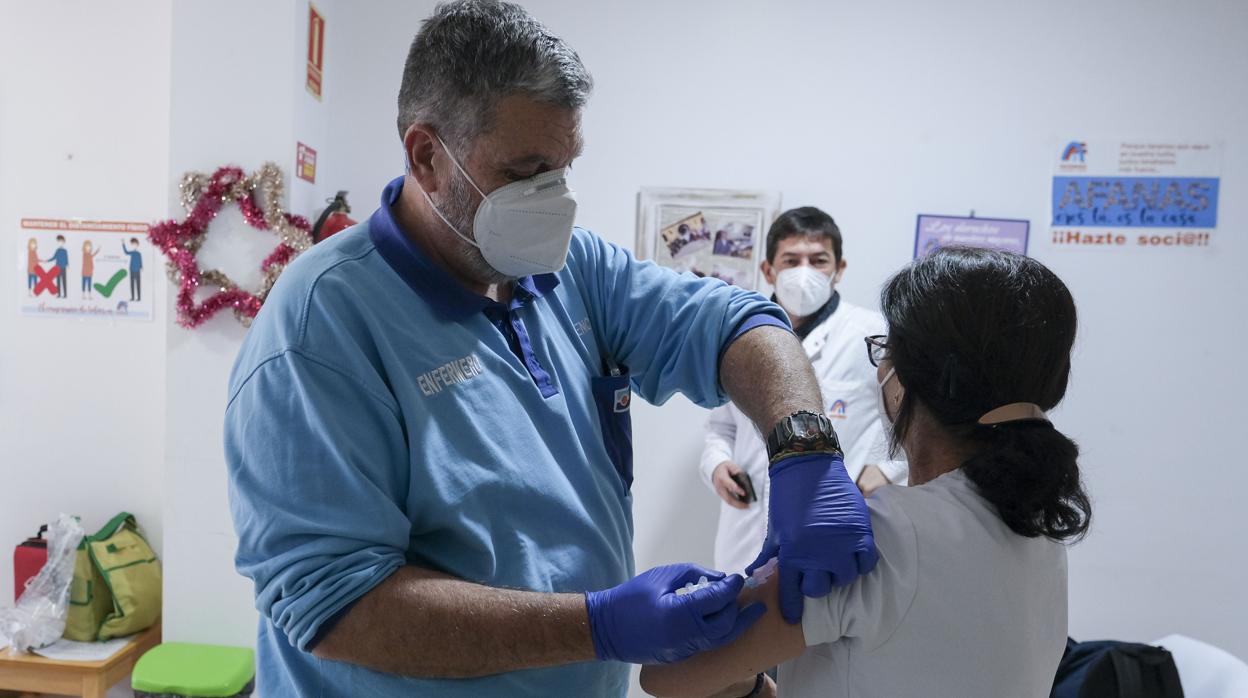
(380, 415)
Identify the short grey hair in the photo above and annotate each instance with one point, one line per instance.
(472, 53)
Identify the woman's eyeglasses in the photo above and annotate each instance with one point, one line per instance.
(877, 348)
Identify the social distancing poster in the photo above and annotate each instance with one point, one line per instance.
(84, 268)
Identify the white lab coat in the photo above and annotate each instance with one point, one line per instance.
(848, 383)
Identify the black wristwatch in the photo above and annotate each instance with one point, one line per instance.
(759, 682)
(802, 432)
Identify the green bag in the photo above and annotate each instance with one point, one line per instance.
(116, 590)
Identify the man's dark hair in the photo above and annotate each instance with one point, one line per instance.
(806, 221)
(472, 53)
(971, 330)
(60, 238)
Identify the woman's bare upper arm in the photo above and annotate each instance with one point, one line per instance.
(769, 642)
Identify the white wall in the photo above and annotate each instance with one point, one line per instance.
(125, 98)
(85, 135)
(238, 98)
(877, 113)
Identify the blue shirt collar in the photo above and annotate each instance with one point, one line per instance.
(430, 281)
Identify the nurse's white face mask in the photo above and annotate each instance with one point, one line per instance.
(803, 290)
(522, 228)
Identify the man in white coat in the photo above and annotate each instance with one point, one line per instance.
(804, 263)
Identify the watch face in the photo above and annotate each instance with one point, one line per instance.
(803, 431)
(810, 430)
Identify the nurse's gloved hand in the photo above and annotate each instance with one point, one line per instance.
(644, 621)
(819, 527)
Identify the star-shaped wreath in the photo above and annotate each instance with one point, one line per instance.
(259, 197)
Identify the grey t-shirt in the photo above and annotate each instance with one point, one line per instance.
(959, 606)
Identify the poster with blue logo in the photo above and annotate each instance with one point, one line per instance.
(1139, 194)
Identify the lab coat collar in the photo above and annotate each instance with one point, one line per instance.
(428, 280)
(817, 318)
(817, 331)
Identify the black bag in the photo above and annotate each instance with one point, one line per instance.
(1110, 669)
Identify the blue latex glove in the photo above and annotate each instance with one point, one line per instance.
(644, 621)
(819, 527)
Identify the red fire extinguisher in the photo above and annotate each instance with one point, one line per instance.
(28, 558)
(333, 219)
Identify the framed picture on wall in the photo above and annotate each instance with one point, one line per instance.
(709, 232)
(932, 232)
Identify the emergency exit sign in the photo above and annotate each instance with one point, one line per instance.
(316, 50)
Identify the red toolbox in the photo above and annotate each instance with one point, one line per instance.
(29, 557)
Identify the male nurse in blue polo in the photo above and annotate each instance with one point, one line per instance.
(428, 434)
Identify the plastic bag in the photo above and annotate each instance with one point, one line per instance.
(38, 619)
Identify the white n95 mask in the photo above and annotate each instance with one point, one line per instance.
(522, 228)
(803, 290)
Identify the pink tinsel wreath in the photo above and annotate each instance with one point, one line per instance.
(202, 197)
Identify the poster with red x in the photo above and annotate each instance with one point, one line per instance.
(84, 268)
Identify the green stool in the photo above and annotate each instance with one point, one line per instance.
(178, 669)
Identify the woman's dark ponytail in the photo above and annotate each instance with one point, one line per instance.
(970, 331)
(1029, 471)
